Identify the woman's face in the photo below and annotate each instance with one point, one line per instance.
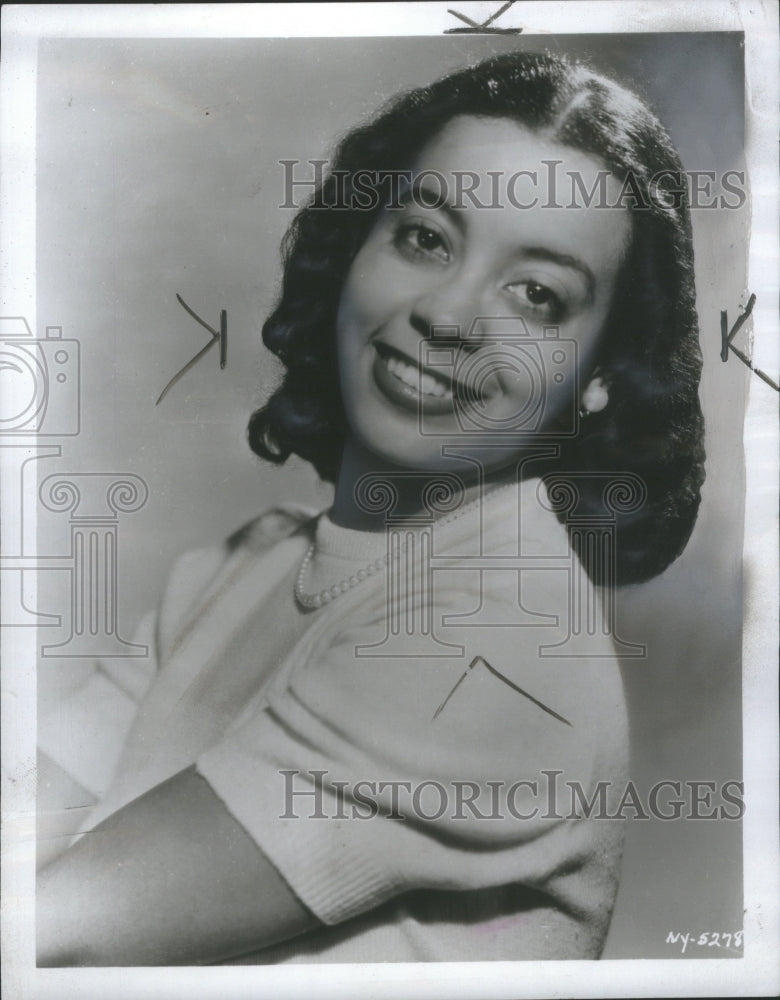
(471, 328)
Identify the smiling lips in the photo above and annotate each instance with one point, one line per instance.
(407, 384)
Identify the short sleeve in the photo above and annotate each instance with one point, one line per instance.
(84, 729)
(84, 724)
(377, 768)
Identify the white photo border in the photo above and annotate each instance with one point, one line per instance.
(23, 26)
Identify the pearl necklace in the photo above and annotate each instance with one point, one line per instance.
(310, 602)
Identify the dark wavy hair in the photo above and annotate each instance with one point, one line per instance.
(652, 426)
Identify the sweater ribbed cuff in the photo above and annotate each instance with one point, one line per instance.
(330, 864)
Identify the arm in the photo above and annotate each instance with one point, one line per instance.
(62, 803)
(366, 722)
(169, 879)
(141, 888)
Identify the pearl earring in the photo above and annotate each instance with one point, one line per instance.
(594, 398)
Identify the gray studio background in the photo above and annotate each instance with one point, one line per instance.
(157, 173)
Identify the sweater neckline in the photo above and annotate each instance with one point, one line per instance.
(363, 545)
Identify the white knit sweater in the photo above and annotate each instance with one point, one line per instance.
(349, 711)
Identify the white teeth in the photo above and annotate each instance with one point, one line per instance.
(410, 375)
(430, 387)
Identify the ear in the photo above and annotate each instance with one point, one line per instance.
(596, 395)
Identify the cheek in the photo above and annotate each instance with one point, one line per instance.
(518, 381)
(358, 298)
(373, 293)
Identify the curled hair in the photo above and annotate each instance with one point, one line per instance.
(652, 426)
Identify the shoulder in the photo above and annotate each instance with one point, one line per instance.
(270, 527)
(195, 571)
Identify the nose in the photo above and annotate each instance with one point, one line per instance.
(453, 304)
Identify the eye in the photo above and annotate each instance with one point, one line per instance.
(538, 299)
(419, 242)
(537, 293)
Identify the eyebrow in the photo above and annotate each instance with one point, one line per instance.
(435, 201)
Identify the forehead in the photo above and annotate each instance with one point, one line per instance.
(533, 183)
(470, 143)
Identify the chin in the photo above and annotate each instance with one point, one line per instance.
(414, 456)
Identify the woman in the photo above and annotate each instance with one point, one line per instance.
(351, 746)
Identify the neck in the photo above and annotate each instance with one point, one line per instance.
(357, 461)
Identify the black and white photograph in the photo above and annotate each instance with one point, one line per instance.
(389, 442)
